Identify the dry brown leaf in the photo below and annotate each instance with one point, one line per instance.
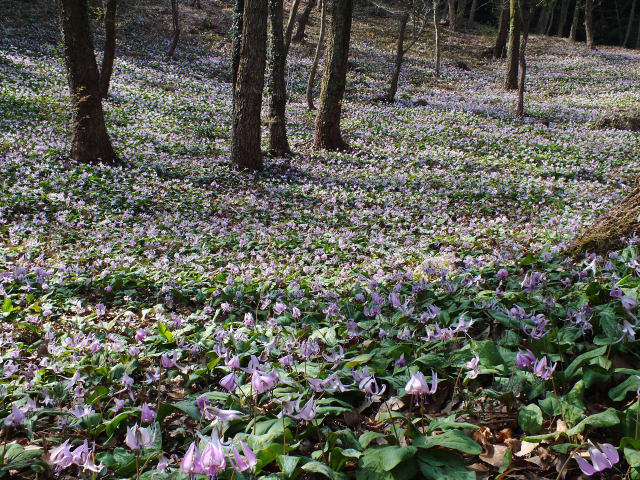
(495, 455)
(526, 448)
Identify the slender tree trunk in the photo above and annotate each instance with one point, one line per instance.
(436, 27)
(632, 14)
(175, 13)
(547, 30)
(109, 47)
(500, 48)
(564, 13)
(303, 21)
(316, 57)
(543, 20)
(245, 141)
(588, 23)
(327, 131)
(278, 144)
(573, 33)
(393, 84)
(638, 38)
(462, 8)
(472, 11)
(526, 13)
(611, 229)
(513, 58)
(236, 29)
(90, 141)
(290, 24)
(453, 17)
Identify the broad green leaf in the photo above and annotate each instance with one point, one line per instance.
(288, 464)
(530, 418)
(321, 468)
(574, 366)
(608, 418)
(440, 465)
(453, 439)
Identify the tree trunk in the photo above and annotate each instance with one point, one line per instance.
(316, 57)
(547, 30)
(453, 17)
(632, 14)
(303, 21)
(543, 20)
(462, 8)
(90, 141)
(436, 26)
(638, 38)
(290, 23)
(393, 84)
(573, 33)
(175, 14)
(500, 48)
(278, 144)
(564, 13)
(327, 131)
(511, 78)
(472, 11)
(611, 229)
(236, 29)
(109, 47)
(245, 138)
(526, 12)
(588, 23)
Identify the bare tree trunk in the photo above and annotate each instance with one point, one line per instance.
(290, 23)
(436, 26)
(316, 57)
(327, 131)
(176, 28)
(472, 11)
(588, 23)
(245, 139)
(278, 144)
(90, 141)
(543, 20)
(462, 8)
(632, 14)
(638, 38)
(393, 84)
(511, 78)
(500, 48)
(303, 21)
(453, 17)
(564, 13)
(526, 12)
(573, 33)
(236, 29)
(611, 229)
(109, 47)
(547, 30)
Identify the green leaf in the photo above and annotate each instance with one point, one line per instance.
(321, 468)
(440, 464)
(288, 464)
(608, 418)
(448, 423)
(619, 392)
(574, 366)
(164, 331)
(530, 418)
(453, 439)
(367, 437)
(359, 360)
(387, 457)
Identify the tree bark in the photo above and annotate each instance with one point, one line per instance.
(588, 23)
(303, 21)
(245, 138)
(90, 141)
(562, 21)
(632, 14)
(573, 33)
(472, 11)
(610, 230)
(526, 12)
(316, 57)
(278, 144)
(290, 24)
(543, 20)
(552, 11)
(393, 84)
(453, 17)
(327, 130)
(109, 47)
(236, 32)
(513, 58)
(175, 14)
(500, 48)
(638, 38)
(462, 8)
(436, 26)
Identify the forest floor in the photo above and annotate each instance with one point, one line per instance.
(435, 246)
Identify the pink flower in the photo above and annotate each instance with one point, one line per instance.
(191, 464)
(212, 459)
(242, 464)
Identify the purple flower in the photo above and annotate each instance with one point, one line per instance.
(212, 459)
(190, 464)
(417, 384)
(228, 382)
(502, 274)
(308, 411)
(628, 303)
(242, 464)
(147, 414)
(525, 359)
(369, 386)
(61, 456)
(401, 362)
(542, 369)
(601, 459)
(263, 382)
(472, 367)
(15, 418)
(139, 437)
(616, 292)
